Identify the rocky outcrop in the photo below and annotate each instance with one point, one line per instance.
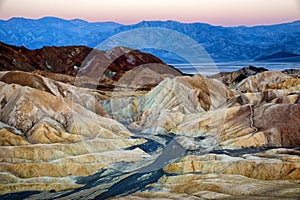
(283, 165)
(293, 72)
(217, 186)
(232, 78)
(54, 59)
(262, 80)
(85, 97)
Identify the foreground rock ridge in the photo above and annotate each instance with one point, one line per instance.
(147, 131)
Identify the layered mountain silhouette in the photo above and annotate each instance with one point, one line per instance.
(222, 43)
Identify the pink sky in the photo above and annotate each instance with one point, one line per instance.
(216, 12)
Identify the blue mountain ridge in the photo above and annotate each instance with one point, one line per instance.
(222, 43)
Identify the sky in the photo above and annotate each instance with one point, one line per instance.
(215, 12)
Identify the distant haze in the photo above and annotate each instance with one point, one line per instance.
(216, 12)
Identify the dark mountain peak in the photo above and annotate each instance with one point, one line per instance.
(18, 19)
(235, 77)
(251, 70)
(51, 18)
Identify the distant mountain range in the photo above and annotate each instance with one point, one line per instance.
(280, 42)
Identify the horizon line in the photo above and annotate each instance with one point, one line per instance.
(157, 20)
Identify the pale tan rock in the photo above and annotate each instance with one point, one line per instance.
(215, 186)
(262, 80)
(8, 138)
(210, 92)
(28, 170)
(51, 152)
(51, 132)
(85, 97)
(164, 107)
(48, 135)
(145, 77)
(82, 165)
(258, 166)
(11, 183)
(26, 106)
(291, 84)
(53, 187)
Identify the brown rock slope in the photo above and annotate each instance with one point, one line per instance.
(53, 59)
(105, 66)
